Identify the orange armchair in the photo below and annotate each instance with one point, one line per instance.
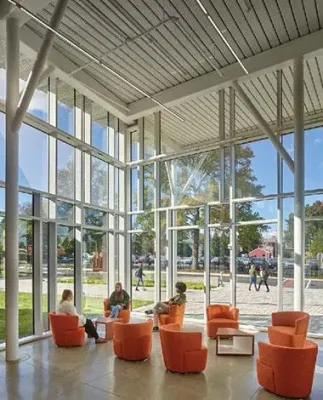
(65, 330)
(124, 314)
(287, 371)
(174, 316)
(289, 328)
(221, 316)
(182, 351)
(132, 341)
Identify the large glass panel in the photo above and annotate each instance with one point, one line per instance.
(100, 138)
(149, 186)
(190, 268)
(134, 144)
(149, 134)
(219, 266)
(65, 107)
(288, 176)
(25, 204)
(65, 258)
(195, 178)
(257, 246)
(313, 158)
(134, 189)
(95, 274)
(253, 161)
(26, 322)
(143, 264)
(256, 210)
(64, 212)
(94, 217)
(33, 158)
(99, 183)
(2, 282)
(2, 199)
(165, 191)
(2, 146)
(288, 253)
(65, 170)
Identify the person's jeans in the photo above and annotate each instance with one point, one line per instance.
(115, 310)
(90, 329)
(160, 308)
(140, 280)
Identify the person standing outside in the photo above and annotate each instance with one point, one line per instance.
(263, 277)
(139, 275)
(252, 277)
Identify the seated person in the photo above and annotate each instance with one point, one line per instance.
(163, 308)
(66, 307)
(118, 300)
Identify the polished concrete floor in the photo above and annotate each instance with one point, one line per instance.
(93, 372)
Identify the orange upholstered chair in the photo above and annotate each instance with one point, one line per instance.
(124, 314)
(133, 341)
(287, 371)
(65, 330)
(174, 316)
(182, 351)
(289, 328)
(221, 316)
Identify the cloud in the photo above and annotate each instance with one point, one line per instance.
(318, 141)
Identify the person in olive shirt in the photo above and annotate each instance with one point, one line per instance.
(163, 308)
(118, 300)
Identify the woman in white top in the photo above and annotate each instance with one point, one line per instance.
(66, 307)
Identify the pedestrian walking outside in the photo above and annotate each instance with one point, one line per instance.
(140, 280)
(263, 278)
(252, 277)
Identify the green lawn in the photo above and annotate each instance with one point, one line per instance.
(91, 306)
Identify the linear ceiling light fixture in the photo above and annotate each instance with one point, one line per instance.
(93, 58)
(222, 36)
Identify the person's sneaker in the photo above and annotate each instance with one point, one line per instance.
(149, 312)
(137, 290)
(155, 329)
(100, 340)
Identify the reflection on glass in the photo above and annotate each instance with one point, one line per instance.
(65, 170)
(149, 186)
(64, 212)
(25, 204)
(220, 213)
(165, 191)
(95, 274)
(143, 221)
(99, 183)
(143, 264)
(93, 217)
(25, 239)
(99, 128)
(134, 189)
(65, 107)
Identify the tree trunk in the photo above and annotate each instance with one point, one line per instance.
(195, 252)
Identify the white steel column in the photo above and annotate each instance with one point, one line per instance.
(299, 215)
(52, 265)
(169, 254)
(221, 137)
(233, 232)
(280, 299)
(157, 145)
(11, 209)
(206, 257)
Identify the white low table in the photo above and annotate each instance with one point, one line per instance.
(232, 342)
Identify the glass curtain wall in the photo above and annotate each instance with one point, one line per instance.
(71, 205)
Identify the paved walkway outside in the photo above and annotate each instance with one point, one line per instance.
(255, 308)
